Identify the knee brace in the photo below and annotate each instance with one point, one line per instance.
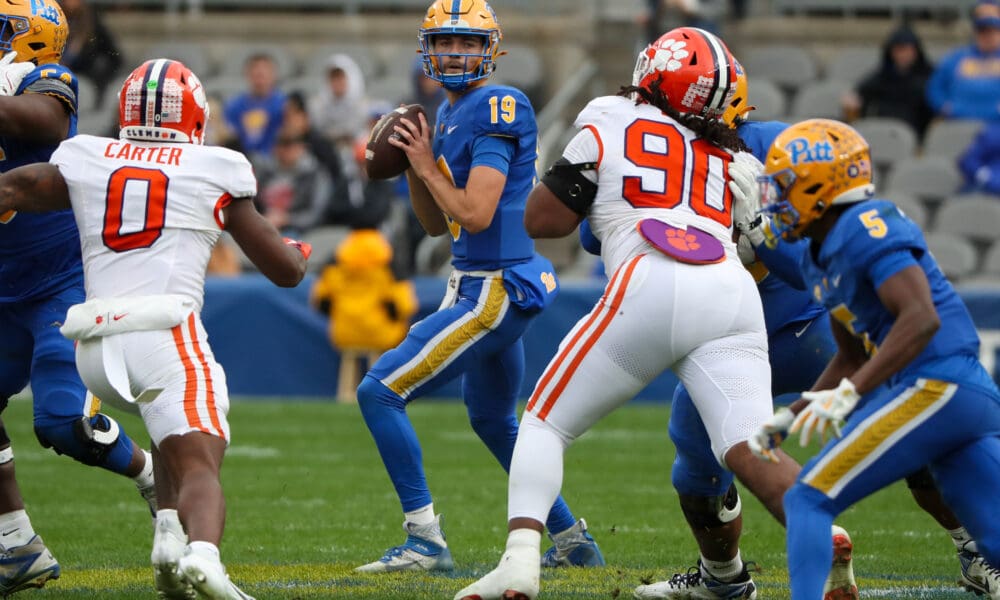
(921, 480)
(711, 512)
(86, 439)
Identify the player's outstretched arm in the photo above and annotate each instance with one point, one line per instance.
(34, 117)
(38, 187)
(281, 262)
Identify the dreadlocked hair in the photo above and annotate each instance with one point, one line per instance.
(714, 131)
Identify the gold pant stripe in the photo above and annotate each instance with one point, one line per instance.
(868, 441)
(473, 326)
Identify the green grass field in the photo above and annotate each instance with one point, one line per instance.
(308, 500)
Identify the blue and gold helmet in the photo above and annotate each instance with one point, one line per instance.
(463, 18)
(810, 167)
(35, 29)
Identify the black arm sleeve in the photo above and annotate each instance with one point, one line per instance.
(567, 182)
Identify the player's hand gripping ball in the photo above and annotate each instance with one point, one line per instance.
(382, 159)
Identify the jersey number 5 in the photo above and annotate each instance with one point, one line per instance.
(155, 208)
(667, 153)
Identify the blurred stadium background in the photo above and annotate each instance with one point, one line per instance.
(801, 57)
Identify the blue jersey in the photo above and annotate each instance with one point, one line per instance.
(871, 242)
(782, 303)
(494, 126)
(39, 252)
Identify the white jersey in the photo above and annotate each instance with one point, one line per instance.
(650, 162)
(149, 213)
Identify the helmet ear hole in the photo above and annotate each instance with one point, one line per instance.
(814, 188)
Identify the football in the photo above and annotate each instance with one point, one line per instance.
(382, 159)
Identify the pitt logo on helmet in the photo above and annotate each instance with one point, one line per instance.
(800, 151)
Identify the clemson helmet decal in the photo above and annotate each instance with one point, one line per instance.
(163, 101)
(692, 67)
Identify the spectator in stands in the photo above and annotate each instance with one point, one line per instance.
(426, 92)
(338, 109)
(369, 308)
(296, 120)
(294, 190)
(980, 164)
(256, 114)
(966, 83)
(90, 50)
(217, 130)
(896, 88)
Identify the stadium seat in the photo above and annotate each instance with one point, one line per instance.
(787, 66)
(191, 53)
(978, 219)
(852, 63)
(950, 138)
(891, 140)
(562, 252)
(433, 256)
(954, 254)
(325, 241)
(819, 99)
(767, 99)
(930, 178)
(911, 207)
(87, 95)
(236, 57)
(991, 264)
(391, 89)
(521, 67)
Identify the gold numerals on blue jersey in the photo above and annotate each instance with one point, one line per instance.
(503, 108)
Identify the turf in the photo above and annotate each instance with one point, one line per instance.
(308, 499)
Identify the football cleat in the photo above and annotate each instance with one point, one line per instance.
(573, 547)
(148, 493)
(27, 566)
(978, 576)
(425, 549)
(840, 585)
(515, 578)
(697, 584)
(169, 541)
(208, 576)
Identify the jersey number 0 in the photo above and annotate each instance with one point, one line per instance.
(155, 182)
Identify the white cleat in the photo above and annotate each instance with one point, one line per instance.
(515, 578)
(209, 578)
(169, 541)
(977, 575)
(840, 585)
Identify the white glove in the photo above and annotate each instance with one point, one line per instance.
(826, 408)
(770, 435)
(12, 73)
(743, 173)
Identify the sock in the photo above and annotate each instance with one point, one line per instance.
(15, 529)
(524, 537)
(726, 570)
(145, 477)
(421, 516)
(206, 549)
(962, 540)
(169, 517)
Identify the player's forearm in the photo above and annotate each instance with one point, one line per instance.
(427, 211)
(909, 335)
(455, 203)
(37, 187)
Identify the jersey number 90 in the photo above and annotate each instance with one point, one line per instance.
(705, 190)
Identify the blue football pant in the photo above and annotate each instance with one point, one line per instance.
(478, 338)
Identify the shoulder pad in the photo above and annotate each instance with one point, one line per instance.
(54, 80)
(860, 239)
(597, 109)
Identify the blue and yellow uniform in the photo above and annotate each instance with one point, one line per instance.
(41, 276)
(499, 284)
(941, 409)
(800, 344)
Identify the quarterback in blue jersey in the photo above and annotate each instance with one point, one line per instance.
(40, 278)
(906, 376)
(472, 184)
